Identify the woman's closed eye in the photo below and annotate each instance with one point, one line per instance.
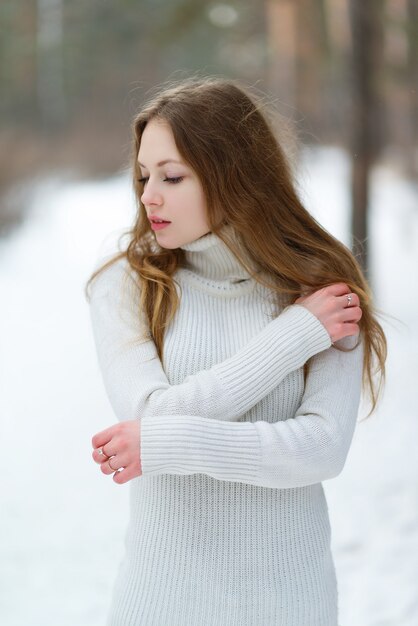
(172, 180)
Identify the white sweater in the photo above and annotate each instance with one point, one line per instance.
(229, 523)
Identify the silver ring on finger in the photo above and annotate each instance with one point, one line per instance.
(349, 298)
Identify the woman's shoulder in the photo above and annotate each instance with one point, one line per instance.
(114, 274)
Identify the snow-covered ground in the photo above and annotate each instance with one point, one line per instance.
(62, 522)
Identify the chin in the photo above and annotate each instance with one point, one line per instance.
(196, 237)
(170, 245)
(173, 244)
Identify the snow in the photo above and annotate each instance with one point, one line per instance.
(63, 522)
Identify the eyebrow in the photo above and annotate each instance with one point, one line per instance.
(163, 162)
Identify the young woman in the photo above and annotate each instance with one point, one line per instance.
(233, 335)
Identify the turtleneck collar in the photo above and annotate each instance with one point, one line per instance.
(213, 268)
(211, 265)
(211, 258)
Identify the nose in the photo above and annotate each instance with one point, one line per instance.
(150, 196)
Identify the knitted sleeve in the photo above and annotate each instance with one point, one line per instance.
(137, 385)
(306, 449)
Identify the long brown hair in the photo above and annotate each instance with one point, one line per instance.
(224, 132)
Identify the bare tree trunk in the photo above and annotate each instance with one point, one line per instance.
(50, 78)
(280, 17)
(312, 48)
(308, 63)
(365, 20)
(412, 9)
(280, 21)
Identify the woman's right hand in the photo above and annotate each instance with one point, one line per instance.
(330, 305)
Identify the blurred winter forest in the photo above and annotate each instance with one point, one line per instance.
(72, 75)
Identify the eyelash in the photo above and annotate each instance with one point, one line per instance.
(172, 181)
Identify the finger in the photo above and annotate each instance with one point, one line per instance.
(351, 314)
(122, 459)
(98, 456)
(343, 301)
(106, 469)
(351, 329)
(127, 474)
(103, 437)
(105, 452)
(338, 289)
(109, 469)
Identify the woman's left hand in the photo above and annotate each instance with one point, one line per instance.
(119, 447)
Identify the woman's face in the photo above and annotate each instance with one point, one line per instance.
(172, 190)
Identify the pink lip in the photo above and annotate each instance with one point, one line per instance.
(157, 226)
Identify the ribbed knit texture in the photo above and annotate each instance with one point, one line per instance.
(229, 523)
